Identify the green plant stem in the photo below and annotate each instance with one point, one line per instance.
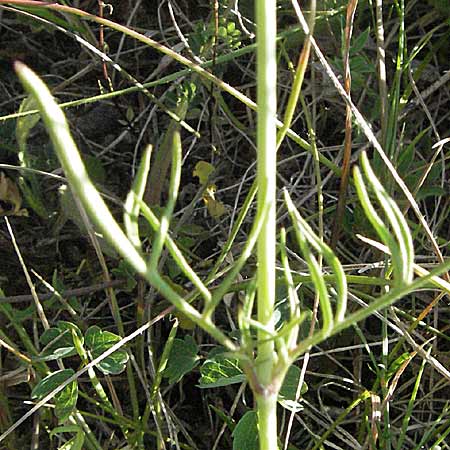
(267, 421)
(266, 399)
(90, 437)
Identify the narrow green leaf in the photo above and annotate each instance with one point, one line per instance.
(225, 417)
(396, 364)
(59, 353)
(65, 429)
(223, 381)
(46, 14)
(359, 42)
(132, 207)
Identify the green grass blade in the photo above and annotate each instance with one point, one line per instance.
(132, 207)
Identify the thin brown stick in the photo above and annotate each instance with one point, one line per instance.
(78, 292)
(39, 308)
(101, 38)
(337, 226)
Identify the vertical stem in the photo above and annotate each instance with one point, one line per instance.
(267, 421)
(266, 142)
(266, 178)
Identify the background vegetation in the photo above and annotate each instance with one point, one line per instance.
(67, 296)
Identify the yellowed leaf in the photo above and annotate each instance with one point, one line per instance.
(215, 207)
(10, 195)
(203, 170)
(185, 322)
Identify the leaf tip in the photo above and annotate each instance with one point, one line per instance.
(19, 66)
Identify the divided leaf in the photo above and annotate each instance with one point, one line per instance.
(98, 342)
(58, 344)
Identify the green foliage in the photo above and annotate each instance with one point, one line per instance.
(58, 342)
(182, 359)
(270, 337)
(220, 369)
(60, 287)
(125, 272)
(289, 393)
(66, 400)
(50, 382)
(201, 38)
(396, 364)
(66, 340)
(27, 123)
(245, 435)
(49, 16)
(29, 183)
(442, 6)
(185, 92)
(361, 65)
(76, 443)
(98, 342)
(229, 33)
